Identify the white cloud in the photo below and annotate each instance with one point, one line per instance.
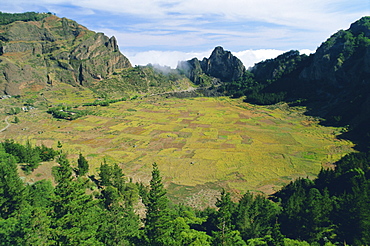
(188, 25)
(250, 57)
(171, 58)
(163, 58)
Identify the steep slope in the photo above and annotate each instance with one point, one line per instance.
(46, 49)
(334, 82)
(271, 70)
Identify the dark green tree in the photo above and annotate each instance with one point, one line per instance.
(351, 211)
(32, 157)
(158, 228)
(35, 219)
(15, 212)
(121, 224)
(314, 218)
(226, 235)
(76, 217)
(255, 217)
(112, 175)
(12, 196)
(82, 165)
(45, 153)
(59, 145)
(105, 173)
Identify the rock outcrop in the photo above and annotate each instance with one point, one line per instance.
(34, 54)
(221, 64)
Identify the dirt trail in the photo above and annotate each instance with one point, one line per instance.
(7, 124)
(190, 89)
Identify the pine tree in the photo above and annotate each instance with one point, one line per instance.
(351, 213)
(225, 234)
(121, 224)
(158, 219)
(83, 165)
(35, 220)
(11, 187)
(255, 216)
(12, 202)
(32, 157)
(105, 174)
(76, 217)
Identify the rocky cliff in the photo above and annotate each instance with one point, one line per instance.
(221, 65)
(42, 52)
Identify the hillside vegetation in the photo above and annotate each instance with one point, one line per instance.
(333, 82)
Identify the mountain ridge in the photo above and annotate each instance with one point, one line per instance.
(52, 50)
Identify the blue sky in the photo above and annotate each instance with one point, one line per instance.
(164, 31)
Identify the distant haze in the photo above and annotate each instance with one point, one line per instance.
(171, 58)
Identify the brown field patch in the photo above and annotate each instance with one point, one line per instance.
(186, 121)
(196, 125)
(133, 130)
(173, 145)
(227, 146)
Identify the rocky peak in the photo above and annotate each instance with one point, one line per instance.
(221, 64)
(112, 44)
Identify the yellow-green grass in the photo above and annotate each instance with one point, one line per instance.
(197, 143)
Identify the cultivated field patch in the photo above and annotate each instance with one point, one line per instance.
(199, 144)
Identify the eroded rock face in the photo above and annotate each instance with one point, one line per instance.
(40, 53)
(192, 70)
(221, 64)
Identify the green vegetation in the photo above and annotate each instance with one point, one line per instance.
(29, 156)
(265, 73)
(104, 102)
(6, 18)
(64, 112)
(16, 120)
(143, 80)
(14, 111)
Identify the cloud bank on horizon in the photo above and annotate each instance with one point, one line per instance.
(165, 31)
